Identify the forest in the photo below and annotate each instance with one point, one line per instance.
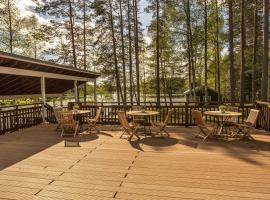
(217, 44)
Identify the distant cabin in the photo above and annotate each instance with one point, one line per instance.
(200, 94)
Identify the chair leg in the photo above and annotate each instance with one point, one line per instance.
(207, 136)
(166, 133)
(246, 135)
(199, 135)
(123, 134)
(136, 135)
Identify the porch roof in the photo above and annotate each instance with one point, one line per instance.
(21, 75)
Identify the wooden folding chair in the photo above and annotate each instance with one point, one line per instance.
(231, 121)
(68, 124)
(129, 128)
(57, 111)
(138, 119)
(161, 126)
(92, 123)
(205, 130)
(245, 129)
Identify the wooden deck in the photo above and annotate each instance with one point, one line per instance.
(35, 164)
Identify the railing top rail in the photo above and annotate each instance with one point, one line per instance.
(4, 108)
(263, 103)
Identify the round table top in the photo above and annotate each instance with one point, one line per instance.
(141, 113)
(80, 112)
(220, 114)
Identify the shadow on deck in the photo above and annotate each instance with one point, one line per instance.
(35, 165)
(20, 145)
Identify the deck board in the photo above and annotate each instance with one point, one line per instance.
(35, 165)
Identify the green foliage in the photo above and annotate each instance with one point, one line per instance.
(52, 41)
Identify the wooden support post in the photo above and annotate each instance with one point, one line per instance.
(76, 91)
(43, 97)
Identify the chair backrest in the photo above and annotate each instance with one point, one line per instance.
(252, 117)
(67, 120)
(197, 116)
(99, 111)
(123, 119)
(168, 116)
(57, 111)
(136, 108)
(232, 109)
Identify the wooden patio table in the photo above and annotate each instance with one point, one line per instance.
(144, 114)
(224, 116)
(78, 116)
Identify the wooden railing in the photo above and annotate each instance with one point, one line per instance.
(17, 117)
(13, 118)
(180, 117)
(50, 117)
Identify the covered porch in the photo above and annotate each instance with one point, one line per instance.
(36, 165)
(23, 77)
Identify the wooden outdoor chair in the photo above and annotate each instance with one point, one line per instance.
(205, 130)
(245, 129)
(138, 119)
(92, 123)
(231, 121)
(57, 111)
(160, 127)
(68, 124)
(130, 129)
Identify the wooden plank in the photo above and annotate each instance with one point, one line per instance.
(70, 196)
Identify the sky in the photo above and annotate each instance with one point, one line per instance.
(145, 18)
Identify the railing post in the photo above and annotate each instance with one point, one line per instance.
(186, 114)
(16, 117)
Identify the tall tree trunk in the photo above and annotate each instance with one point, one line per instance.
(136, 33)
(264, 84)
(255, 41)
(231, 50)
(130, 55)
(84, 46)
(123, 54)
(157, 55)
(243, 46)
(217, 52)
(10, 27)
(144, 73)
(188, 51)
(205, 50)
(118, 85)
(162, 66)
(190, 42)
(72, 34)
